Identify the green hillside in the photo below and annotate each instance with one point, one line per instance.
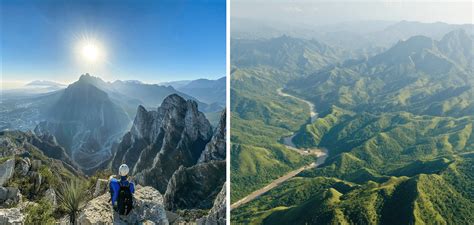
(259, 120)
(444, 198)
(398, 127)
(260, 116)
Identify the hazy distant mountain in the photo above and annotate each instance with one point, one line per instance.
(176, 84)
(419, 75)
(208, 91)
(33, 88)
(86, 122)
(45, 83)
(356, 35)
(131, 94)
(285, 53)
(406, 29)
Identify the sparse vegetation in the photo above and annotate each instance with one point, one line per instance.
(40, 212)
(72, 196)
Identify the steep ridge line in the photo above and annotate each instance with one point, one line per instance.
(321, 154)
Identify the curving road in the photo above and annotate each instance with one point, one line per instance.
(321, 153)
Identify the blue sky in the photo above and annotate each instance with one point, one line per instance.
(152, 41)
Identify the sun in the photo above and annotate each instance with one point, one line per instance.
(91, 51)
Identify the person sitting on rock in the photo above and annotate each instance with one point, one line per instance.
(121, 191)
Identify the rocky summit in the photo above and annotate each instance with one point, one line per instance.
(161, 141)
(148, 209)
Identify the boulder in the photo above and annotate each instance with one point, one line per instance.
(148, 209)
(11, 216)
(23, 166)
(101, 187)
(6, 171)
(35, 165)
(36, 179)
(217, 214)
(13, 193)
(9, 196)
(3, 194)
(50, 196)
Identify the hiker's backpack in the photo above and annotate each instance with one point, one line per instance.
(125, 199)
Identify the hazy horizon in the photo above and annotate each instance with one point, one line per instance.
(314, 13)
(11, 85)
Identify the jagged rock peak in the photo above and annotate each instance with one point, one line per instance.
(90, 79)
(216, 148)
(173, 100)
(174, 110)
(161, 141)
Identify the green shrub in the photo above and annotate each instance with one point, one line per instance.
(72, 197)
(40, 213)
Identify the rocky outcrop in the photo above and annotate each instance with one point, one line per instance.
(217, 214)
(11, 216)
(216, 148)
(33, 173)
(101, 187)
(8, 146)
(9, 196)
(23, 166)
(6, 171)
(51, 197)
(161, 141)
(148, 208)
(49, 146)
(196, 186)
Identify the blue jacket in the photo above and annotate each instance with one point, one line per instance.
(114, 187)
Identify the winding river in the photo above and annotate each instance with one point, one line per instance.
(321, 154)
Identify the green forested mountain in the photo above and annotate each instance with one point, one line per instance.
(293, 55)
(259, 119)
(260, 116)
(419, 75)
(398, 127)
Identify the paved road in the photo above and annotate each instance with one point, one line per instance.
(287, 141)
(272, 185)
